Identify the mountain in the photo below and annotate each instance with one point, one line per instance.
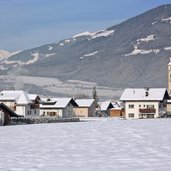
(4, 54)
(133, 53)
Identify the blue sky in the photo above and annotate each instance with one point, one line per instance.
(31, 23)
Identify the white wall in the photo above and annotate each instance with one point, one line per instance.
(35, 112)
(10, 104)
(67, 112)
(21, 110)
(136, 108)
(26, 110)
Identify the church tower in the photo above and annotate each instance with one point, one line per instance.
(169, 77)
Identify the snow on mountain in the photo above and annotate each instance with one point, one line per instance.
(52, 54)
(4, 54)
(147, 39)
(82, 34)
(104, 33)
(167, 48)
(89, 54)
(167, 19)
(155, 22)
(50, 47)
(137, 51)
(101, 33)
(35, 59)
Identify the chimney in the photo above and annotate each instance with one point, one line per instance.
(146, 91)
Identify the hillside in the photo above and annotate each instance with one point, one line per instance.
(133, 53)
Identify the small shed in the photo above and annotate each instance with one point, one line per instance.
(117, 110)
(85, 108)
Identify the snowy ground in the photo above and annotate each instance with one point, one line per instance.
(115, 145)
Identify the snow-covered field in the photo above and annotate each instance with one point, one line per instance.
(115, 145)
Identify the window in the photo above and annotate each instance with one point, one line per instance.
(35, 112)
(139, 105)
(131, 115)
(131, 106)
(51, 113)
(150, 106)
(144, 105)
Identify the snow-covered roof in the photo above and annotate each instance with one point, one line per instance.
(139, 94)
(116, 105)
(56, 103)
(19, 96)
(84, 102)
(32, 96)
(105, 105)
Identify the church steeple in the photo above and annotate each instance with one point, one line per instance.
(169, 77)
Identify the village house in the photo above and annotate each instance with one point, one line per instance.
(60, 107)
(19, 102)
(144, 102)
(104, 108)
(85, 108)
(36, 103)
(117, 110)
(5, 114)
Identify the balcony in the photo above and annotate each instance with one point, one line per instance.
(147, 111)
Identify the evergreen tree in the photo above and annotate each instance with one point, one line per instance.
(94, 93)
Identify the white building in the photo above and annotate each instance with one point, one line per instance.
(61, 107)
(36, 103)
(85, 108)
(18, 101)
(144, 103)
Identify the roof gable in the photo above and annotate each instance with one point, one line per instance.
(84, 102)
(33, 97)
(105, 105)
